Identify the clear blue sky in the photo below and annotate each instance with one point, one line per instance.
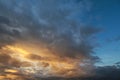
(107, 14)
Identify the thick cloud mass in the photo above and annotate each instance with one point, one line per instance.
(54, 27)
(48, 22)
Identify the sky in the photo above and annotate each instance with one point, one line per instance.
(59, 39)
(108, 14)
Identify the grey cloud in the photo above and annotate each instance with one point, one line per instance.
(7, 32)
(107, 72)
(87, 31)
(58, 34)
(49, 23)
(4, 20)
(102, 73)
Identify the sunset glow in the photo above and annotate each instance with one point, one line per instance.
(59, 40)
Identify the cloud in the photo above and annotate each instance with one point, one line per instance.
(4, 20)
(7, 60)
(53, 25)
(114, 39)
(102, 73)
(8, 33)
(87, 31)
(106, 72)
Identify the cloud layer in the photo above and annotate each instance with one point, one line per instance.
(46, 32)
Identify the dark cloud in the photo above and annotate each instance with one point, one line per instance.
(4, 20)
(34, 57)
(89, 31)
(102, 73)
(108, 72)
(58, 34)
(7, 60)
(117, 63)
(49, 24)
(52, 24)
(8, 33)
